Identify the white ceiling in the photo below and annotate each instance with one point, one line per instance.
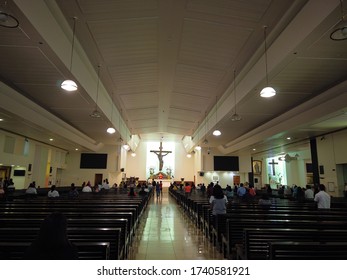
(166, 63)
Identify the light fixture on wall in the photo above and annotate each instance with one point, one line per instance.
(7, 20)
(198, 148)
(267, 91)
(70, 85)
(133, 154)
(96, 113)
(189, 155)
(340, 32)
(235, 116)
(216, 132)
(111, 129)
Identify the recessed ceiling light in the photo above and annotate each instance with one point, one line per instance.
(50, 139)
(1, 120)
(289, 138)
(76, 149)
(254, 149)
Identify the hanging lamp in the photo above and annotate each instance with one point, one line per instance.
(7, 20)
(235, 116)
(96, 113)
(340, 32)
(111, 129)
(267, 91)
(216, 132)
(70, 85)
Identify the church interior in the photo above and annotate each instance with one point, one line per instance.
(179, 91)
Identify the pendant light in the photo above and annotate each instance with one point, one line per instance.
(216, 132)
(6, 19)
(111, 129)
(96, 113)
(267, 91)
(235, 116)
(340, 32)
(70, 85)
(205, 140)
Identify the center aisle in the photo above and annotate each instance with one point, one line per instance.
(166, 233)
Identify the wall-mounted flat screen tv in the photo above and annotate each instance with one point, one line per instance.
(93, 161)
(19, 172)
(226, 163)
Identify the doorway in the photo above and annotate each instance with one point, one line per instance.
(98, 179)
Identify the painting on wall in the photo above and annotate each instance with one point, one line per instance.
(257, 167)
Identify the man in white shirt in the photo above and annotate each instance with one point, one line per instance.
(309, 193)
(322, 198)
(53, 192)
(86, 188)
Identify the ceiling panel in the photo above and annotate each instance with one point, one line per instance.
(27, 65)
(141, 100)
(210, 44)
(129, 41)
(167, 61)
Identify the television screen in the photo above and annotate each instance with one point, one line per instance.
(19, 172)
(309, 168)
(226, 163)
(93, 161)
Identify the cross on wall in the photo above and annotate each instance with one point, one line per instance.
(272, 163)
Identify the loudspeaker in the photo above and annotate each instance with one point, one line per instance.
(29, 167)
(201, 173)
(321, 169)
(50, 170)
(122, 170)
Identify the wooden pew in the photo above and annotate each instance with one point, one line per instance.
(289, 250)
(256, 240)
(86, 250)
(235, 229)
(84, 222)
(111, 235)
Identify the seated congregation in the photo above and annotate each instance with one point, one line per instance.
(244, 223)
(67, 223)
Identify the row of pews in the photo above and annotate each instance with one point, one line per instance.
(102, 226)
(285, 230)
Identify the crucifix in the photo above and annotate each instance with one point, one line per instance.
(160, 154)
(273, 166)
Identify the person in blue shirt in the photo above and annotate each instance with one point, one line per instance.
(241, 191)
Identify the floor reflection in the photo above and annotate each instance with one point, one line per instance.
(166, 233)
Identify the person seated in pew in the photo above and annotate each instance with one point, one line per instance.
(52, 242)
(31, 190)
(53, 192)
(73, 192)
(2, 193)
(142, 192)
(309, 193)
(241, 191)
(132, 192)
(87, 189)
(322, 198)
(229, 192)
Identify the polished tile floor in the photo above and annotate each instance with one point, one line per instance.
(166, 233)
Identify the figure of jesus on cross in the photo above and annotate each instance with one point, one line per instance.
(160, 154)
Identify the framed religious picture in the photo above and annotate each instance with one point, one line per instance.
(257, 166)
